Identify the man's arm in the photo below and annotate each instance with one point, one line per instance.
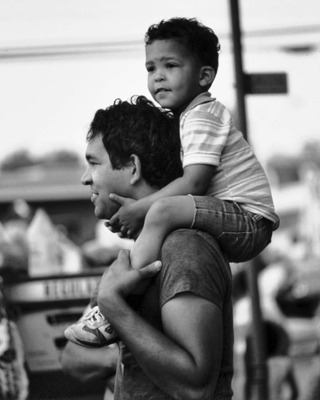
(89, 364)
(184, 362)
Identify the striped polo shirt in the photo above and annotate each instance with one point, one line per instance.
(209, 136)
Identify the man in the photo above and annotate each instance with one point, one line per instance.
(179, 343)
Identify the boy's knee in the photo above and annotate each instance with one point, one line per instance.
(160, 211)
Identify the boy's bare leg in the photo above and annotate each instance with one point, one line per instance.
(164, 216)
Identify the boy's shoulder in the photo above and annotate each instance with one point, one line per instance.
(203, 105)
(202, 98)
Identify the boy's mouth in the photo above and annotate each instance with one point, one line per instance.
(162, 90)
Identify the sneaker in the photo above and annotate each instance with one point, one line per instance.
(93, 330)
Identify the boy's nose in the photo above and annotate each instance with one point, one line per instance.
(159, 78)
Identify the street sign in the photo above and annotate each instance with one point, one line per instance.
(269, 83)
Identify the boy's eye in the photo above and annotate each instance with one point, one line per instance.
(150, 69)
(170, 65)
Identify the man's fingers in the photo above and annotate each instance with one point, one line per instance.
(150, 270)
(124, 255)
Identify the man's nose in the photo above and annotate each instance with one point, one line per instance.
(86, 178)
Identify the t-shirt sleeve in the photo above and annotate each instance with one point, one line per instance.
(199, 268)
(203, 137)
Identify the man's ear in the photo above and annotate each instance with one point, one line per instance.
(207, 75)
(135, 169)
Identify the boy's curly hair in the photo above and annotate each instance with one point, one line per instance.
(198, 38)
(139, 127)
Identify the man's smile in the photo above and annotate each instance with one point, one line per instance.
(94, 195)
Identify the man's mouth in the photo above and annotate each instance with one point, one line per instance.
(93, 196)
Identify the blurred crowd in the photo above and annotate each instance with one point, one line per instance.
(288, 302)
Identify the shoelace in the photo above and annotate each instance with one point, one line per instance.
(95, 317)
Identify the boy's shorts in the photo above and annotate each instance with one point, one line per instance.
(241, 234)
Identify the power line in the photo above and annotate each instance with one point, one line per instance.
(116, 47)
(282, 31)
(69, 49)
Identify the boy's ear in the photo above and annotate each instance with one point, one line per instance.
(135, 169)
(207, 75)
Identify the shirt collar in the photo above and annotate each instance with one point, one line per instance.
(204, 97)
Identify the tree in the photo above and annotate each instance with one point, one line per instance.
(18, 159)
(22, 158)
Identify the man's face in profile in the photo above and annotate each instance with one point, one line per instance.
(103, 179)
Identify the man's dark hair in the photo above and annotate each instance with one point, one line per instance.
(139, 127)
(198, 38)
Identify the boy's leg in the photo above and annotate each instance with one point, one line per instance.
(164, 216)
(240, 234)
(92, 330)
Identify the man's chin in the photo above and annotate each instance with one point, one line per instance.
(99, 213)
(105, 214)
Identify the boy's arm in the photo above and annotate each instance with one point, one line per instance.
(195, 180)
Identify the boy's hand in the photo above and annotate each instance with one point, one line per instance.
(127, 221)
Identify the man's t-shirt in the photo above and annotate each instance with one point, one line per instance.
(192, 262)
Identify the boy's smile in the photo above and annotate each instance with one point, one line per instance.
(173, 74)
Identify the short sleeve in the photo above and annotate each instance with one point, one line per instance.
(203, 137)
(201, 268)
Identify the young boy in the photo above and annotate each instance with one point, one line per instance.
(229, 194)
(224, 189)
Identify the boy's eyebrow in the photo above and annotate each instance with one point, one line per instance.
(163, 58)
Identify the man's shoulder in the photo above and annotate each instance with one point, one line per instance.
(193, 262)
(192, 244)
(181, 235)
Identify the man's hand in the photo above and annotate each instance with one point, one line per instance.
(88, 364)
(128, 221)
(121, 280)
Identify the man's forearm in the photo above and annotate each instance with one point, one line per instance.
(172, 368)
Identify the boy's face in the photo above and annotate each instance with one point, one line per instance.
(173, 74)
(103, 179)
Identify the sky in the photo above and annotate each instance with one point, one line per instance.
(61, 60)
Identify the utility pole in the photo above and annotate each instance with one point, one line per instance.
(258, 367)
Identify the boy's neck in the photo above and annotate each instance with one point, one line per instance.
(196, 100)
